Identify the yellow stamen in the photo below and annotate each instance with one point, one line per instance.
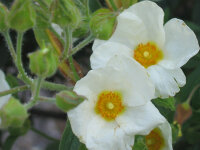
(147, 54)
(109, 105)
(155, 140)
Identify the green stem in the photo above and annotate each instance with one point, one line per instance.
(85, 42)
(54, 86)
(192, 93)
(71, 63)
(20, 68)
(36, 93)
(44, 135)
(68, 43)
(113, 5)
(15, 90)
(10, 45)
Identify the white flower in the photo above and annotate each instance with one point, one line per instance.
(3, 87)
(160, 138)
(117, 107)
(162, 50)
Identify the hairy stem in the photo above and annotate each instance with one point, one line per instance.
(22, 73)
(68, 43)
(85, 42)
(36, 93)
(10, 45)
(71, 63)
(15, 90)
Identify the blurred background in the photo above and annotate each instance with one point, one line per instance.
(49, 120)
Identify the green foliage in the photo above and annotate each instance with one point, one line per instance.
(65, 12)
(13, 114)
(140, 143)
(22, 15)
(67, 100)
(103, 23)
(3, 16)
(43, 62)
(168, 103)
(69, 141)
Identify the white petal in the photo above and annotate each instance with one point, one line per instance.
(166, 81)
(3, 87)
(140, 120)
(97, 42)
(130, 30)
(104, 52)
(103, 135)
(167, 134)
(152, 17)
(139, 89)
(181, 44)
(80, 118)
(178, 75)
(123, 74)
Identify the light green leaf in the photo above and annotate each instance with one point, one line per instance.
(168, 103)
(140, 143)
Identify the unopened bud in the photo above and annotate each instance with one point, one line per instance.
(67, 100)
(65, 12)
(3, 17)
(13, 114)
(103, 23)
(22, 15)
(43, 62)
(118, 4)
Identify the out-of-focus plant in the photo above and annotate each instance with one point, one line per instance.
(62, 28)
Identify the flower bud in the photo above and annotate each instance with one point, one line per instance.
(103, 23)
(13, 114)
(67, 100)
(65, 12)
(117, 4)
(3, 16)
(22, 15)
(43, 62)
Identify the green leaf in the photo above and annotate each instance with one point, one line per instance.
(140, 143)
(94, 5)
(53, 146)
(82, 147)
(168, 103)
(176, 132)
(192, 80)
(9, 142)
(69, 141)
(12, 80)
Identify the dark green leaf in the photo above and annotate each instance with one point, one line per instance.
(9, 142)
(168, 103)
(69, 141)
(12, 80)
(53, 146)
(94, 5)
(82, 147)
(192, 80)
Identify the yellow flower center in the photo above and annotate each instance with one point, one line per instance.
(155, 140)
(147, 54)
(109, 105)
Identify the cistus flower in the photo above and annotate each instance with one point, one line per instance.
(117, 106)
(160, 49)
(160, 138)
(3, 87)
